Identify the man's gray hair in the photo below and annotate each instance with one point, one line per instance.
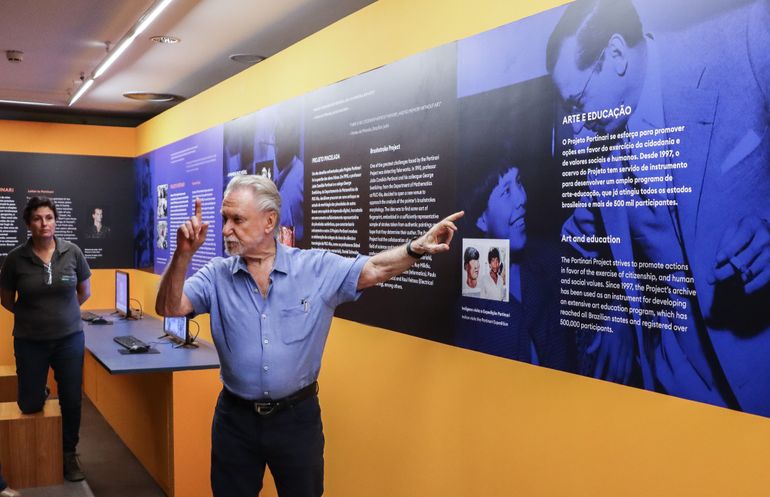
(266, 196)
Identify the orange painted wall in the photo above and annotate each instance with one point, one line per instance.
(69, 139)
(195, 394)
(139, 408)
(407, 417)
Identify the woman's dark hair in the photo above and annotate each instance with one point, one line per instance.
(37, 202)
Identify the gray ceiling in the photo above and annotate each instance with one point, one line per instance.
(62, 39)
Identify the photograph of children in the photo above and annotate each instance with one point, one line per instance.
(485, 272)
(470, 272)
(162, 201)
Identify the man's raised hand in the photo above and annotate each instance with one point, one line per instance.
(191, 235)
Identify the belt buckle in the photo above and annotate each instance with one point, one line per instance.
(265, 408)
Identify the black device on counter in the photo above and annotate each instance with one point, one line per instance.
(133, 344)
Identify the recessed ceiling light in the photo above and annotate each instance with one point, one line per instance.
(169, 40)
(247, 58)
(147, 96)
(14, 56)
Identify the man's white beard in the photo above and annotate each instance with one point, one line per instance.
(237, 247)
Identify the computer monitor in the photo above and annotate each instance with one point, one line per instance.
(122, 294)
(177, 329)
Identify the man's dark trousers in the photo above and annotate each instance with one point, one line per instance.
(289, 441)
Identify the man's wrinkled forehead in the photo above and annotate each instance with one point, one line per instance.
(241, 200)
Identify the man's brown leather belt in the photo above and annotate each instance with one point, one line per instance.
(267, 407)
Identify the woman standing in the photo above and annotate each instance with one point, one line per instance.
(43, 283)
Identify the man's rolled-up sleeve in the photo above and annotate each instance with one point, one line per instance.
(198, 288)
(342, 277)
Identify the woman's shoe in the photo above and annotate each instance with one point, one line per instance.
(9, 492)
(72, 470)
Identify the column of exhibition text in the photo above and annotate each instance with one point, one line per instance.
(402, 207)
(335, 209)
(629, 169)
(595, 293)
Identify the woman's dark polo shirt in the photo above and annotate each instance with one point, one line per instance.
(45, 311)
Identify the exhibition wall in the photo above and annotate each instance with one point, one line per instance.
(503, 417)
(93, 202)
(615, 199)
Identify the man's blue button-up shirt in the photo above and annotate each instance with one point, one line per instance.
(270, 347)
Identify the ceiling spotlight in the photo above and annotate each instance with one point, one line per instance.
(147, 96)
(247, 58)
(113, 53)
(14, 56)
(165, 39)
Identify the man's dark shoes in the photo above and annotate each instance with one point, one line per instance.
(72, 470)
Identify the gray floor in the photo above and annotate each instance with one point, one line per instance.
(111, 469)
(80, 489)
